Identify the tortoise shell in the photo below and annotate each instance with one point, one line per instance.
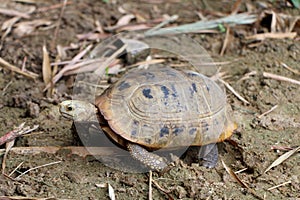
(163, 107)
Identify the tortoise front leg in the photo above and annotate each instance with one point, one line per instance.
(151, 160)
(208, 154)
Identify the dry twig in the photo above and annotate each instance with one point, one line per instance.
(248, 75)
(289, 68)
(54, 6)
(167, 192)
(13, 68)
(280, 78)
(225, 43)
(58, 24)
(150, 185)
(13, 171)
(70, 66)
(282, 148)
(45, 165)
(263, 36)
(80, 151)
(236, 7)
(267, 112)
(234, 92)
(25, 198)
(235, 177)
(241, 170)
(277, 186)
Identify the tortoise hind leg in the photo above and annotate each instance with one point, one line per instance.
(208, 154)
(151, 160)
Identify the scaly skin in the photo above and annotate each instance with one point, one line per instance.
(77, 110)
(84, 111)
(151, 160)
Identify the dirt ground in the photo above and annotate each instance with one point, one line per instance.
(74, 177)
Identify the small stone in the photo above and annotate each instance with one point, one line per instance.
(33, 109)
(73, 177)
(24, 190)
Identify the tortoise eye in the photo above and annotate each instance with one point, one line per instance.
(69, 108)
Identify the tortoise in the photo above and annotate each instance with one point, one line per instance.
(160, 107)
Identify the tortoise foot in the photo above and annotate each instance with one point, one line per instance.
(208, 155)
(151, 160)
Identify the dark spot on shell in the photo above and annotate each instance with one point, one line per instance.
(180, 107)
(135, 122)
(134, 127)
(192, 74)
(148, 140)
(192, 131)
(164, 131)
(174, 94)
(207, 88)
(148, 75)
(194, 87)
(146, 93)
(204, 126)
(165, 90)
(133, 133)
(123, 85)
(177, 130)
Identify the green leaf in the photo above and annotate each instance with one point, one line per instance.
(106, 71)
(222, 28)
(296, 3)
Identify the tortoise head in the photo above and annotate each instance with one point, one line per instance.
(77, 110)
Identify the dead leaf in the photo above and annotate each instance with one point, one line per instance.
(8, 147)
(26, 28)
(46, 69)
(8, 24)
(70, 66)
(114, 69)
(124, 20)
(84, 66)
(111, 192)
(92, 36)
(61, 51)
(101, 185)
(282, 158)
(16, 13)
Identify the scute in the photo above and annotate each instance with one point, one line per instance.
(163, 107)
